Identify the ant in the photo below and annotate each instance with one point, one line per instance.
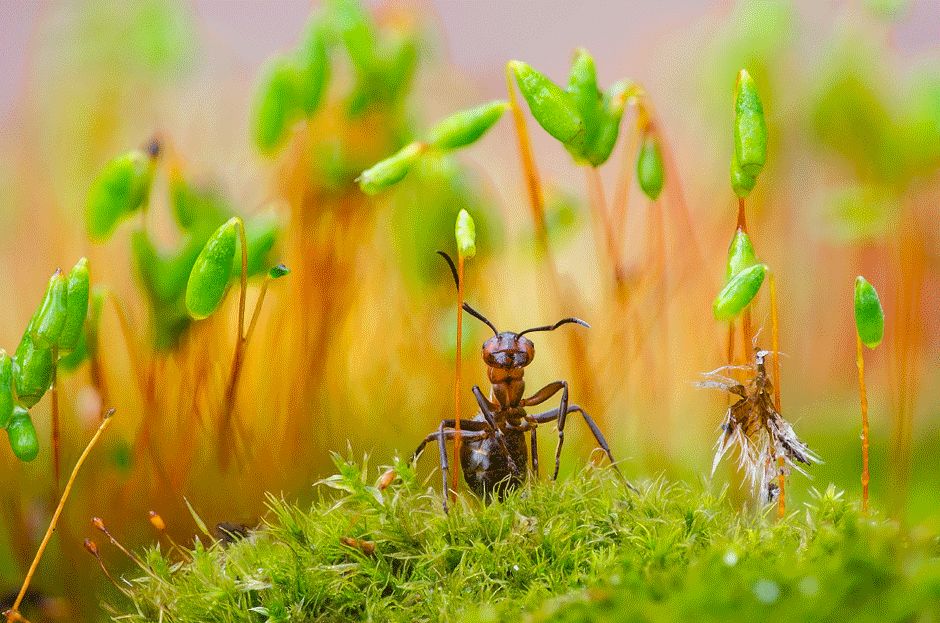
(493, 444)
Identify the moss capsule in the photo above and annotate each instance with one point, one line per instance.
(276, 105)
(466, 127)
(22, 434)
(739, 292)
(750, 128)
(465, 232)
(120, 188)
(76, 305)
(553, 108)
(314, 64)
(32, 372)
(209, 278)
(741, 182)
(649, 167)
(869, 316)
(278, 271)
(49, 320)
(740, 255)
(388, 172)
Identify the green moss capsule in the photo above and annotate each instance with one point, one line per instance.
(649, 167)
(582, 85)
(49, 320)
(76, 305)
(750, 129)
(120, 188)
(740, 255)
(277, 105)
(739, 292)
(314, 62)
(466, 127)
(869, 316)
(466, 234)
(32, 372)
(6, 388)
(22, 434)
(741, 182)
(278, 271)
(388, 172)
(605, 129)
(553, 108)
(209, 278)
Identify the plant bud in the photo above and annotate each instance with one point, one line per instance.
(32, 372)
(466, 127)
(739, 292)
(750, 129)
(209, 278)
(315, 69)
(741, 182)
(156, 521)
(6, 388)
(582, 86)
(388, 172)
(276, 105)
(649, 167)
(466, 234)
(869, 316)
(740, 255)
(604, 130)
(553, 108)
(278, 271)
(121, 187)
(76, 305)
(22, 434)
(47, 323)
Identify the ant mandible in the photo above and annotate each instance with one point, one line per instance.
(493, 451)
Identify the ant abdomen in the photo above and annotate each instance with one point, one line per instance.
(485, 467)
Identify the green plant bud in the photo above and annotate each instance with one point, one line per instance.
(49, 320)
(314, 62)
(209, 278)
(466, 127)
(466, 233)
(120, 188)
(740, 255)
(750, 129)
(400, 66)
(388, 172)
(357, 33)
(6, 388)
(278, 271)
(582, 85)
(869, 316)
(741, 182)
(649, 167)
(276, 106)
(739, 292)
(554, 109)
(606, 126)
(22, 434)
(76, 305)
(32, 372)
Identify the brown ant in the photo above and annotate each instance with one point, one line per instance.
(493, 444)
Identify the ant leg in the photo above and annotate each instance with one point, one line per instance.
(465, 425)
(487, 412)
(444, 432)
(535, 453)
(544, 394)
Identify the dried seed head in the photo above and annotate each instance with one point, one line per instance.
(98, 523)
(92, 548)
(156, 521)
(387, 479)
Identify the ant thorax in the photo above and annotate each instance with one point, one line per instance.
(508, 385)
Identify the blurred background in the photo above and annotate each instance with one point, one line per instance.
(354, 351)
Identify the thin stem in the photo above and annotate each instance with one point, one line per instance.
(599, 207)
(455, 468)
(257, 311)
(742, 216)
(231, 389)
(54, 407)
(775, 347)
(13, 613)
(536, 198)
(129, 342)
(863, 395)
(625, 180)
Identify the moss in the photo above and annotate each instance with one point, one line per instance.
(584, 549)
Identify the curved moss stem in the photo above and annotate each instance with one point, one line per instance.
(231, 389)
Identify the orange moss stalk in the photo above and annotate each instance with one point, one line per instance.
(455, 469)
(863, 395)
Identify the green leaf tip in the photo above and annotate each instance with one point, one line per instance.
(553, 108)
(276, 272)
(22, 435)
(466, 127)
(76, 308)
(209, 278)
(386, 173)
(739, 292)
(750, 128)
(120, 188)
(466, 235)
(869, 315)
(740, 255)
(649, 167)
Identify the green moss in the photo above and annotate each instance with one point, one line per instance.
(578, 550)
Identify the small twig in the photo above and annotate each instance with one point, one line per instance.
(13, 613)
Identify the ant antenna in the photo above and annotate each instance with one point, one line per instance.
(552, 327)
(466, 307)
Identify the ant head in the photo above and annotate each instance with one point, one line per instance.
(508, 350)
